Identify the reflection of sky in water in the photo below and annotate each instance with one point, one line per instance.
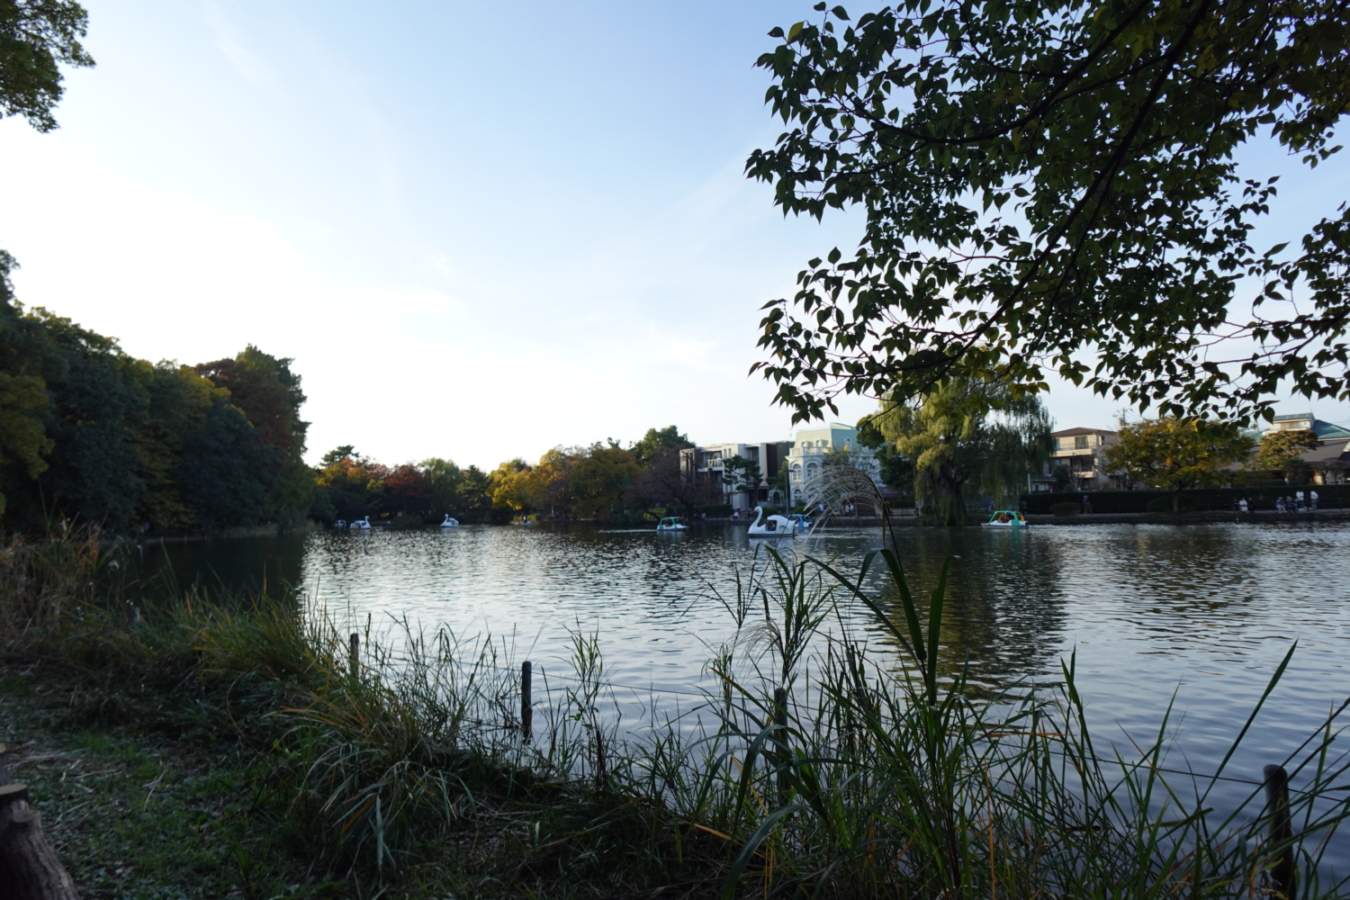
(1205, 612)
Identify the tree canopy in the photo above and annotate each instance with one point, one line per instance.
(36, 38)
(1174, 454)
(90, 433)
(964, 433)
(1048, 182)
(657, 440)
(1280, 451)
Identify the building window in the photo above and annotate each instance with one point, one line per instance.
(1080, 442)
(796, 472)
(811, 470)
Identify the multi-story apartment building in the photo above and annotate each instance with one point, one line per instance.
(1083, 452)
(706, 467)
(810, 447)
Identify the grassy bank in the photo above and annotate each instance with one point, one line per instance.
(824, 770)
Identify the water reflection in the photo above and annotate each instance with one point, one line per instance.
(1205, 612)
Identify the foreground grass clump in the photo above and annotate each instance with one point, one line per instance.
(821, 768)
(137, 814)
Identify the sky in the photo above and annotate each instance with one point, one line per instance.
(479, 230)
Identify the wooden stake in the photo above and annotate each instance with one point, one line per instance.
(29, 869)
(1281, 833)
(526, 703)
(355, 658)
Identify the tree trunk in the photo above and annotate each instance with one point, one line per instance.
(29, 869)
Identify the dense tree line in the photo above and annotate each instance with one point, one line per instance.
(91, 434)
(603, 482)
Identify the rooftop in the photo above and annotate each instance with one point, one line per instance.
(1325, 431)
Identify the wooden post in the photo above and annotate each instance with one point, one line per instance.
(29, 869)
(1280, 832)
(526, 703)
(355, 657)
(780, 719)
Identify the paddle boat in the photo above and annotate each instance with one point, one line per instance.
(671, 523)
(449, 522)
(360, 525)
(340, 523)
(1007, 518)
(773, 526)
(800, 522)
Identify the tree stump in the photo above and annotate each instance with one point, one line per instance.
(29, 869)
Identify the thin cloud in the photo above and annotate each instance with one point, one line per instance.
(249, 66)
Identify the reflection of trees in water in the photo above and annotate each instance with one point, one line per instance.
(223, 568)
(1202, 568)
(1005, 600)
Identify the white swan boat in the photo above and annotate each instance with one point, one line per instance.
(773, 526)
(360, 524)
(671, 523)
(1007, 518)
(449, 522)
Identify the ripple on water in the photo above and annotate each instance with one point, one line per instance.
(1195, 618)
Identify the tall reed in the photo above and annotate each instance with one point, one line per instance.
(46, 580)
(879, 780)
(819, 764)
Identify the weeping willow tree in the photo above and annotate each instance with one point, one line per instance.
(967, 434)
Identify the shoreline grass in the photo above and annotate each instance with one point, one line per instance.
(823, 773)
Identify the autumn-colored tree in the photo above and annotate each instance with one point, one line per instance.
(551, 481)
(408, 491)
(1175, 454)
(355, 487)
(512, 485)
(269, 394)
(1280, 451)
(600, 480)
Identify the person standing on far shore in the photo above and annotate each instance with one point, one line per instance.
(1312, 500)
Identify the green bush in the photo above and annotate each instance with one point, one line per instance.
(1064, 509)
(714, 510)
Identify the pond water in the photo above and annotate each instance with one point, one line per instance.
(1199, 616)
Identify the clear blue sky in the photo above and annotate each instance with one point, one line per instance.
(481, 230)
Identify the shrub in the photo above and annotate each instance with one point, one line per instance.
(1064, 509)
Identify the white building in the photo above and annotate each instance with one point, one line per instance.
(809, 450)
(707, 465)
